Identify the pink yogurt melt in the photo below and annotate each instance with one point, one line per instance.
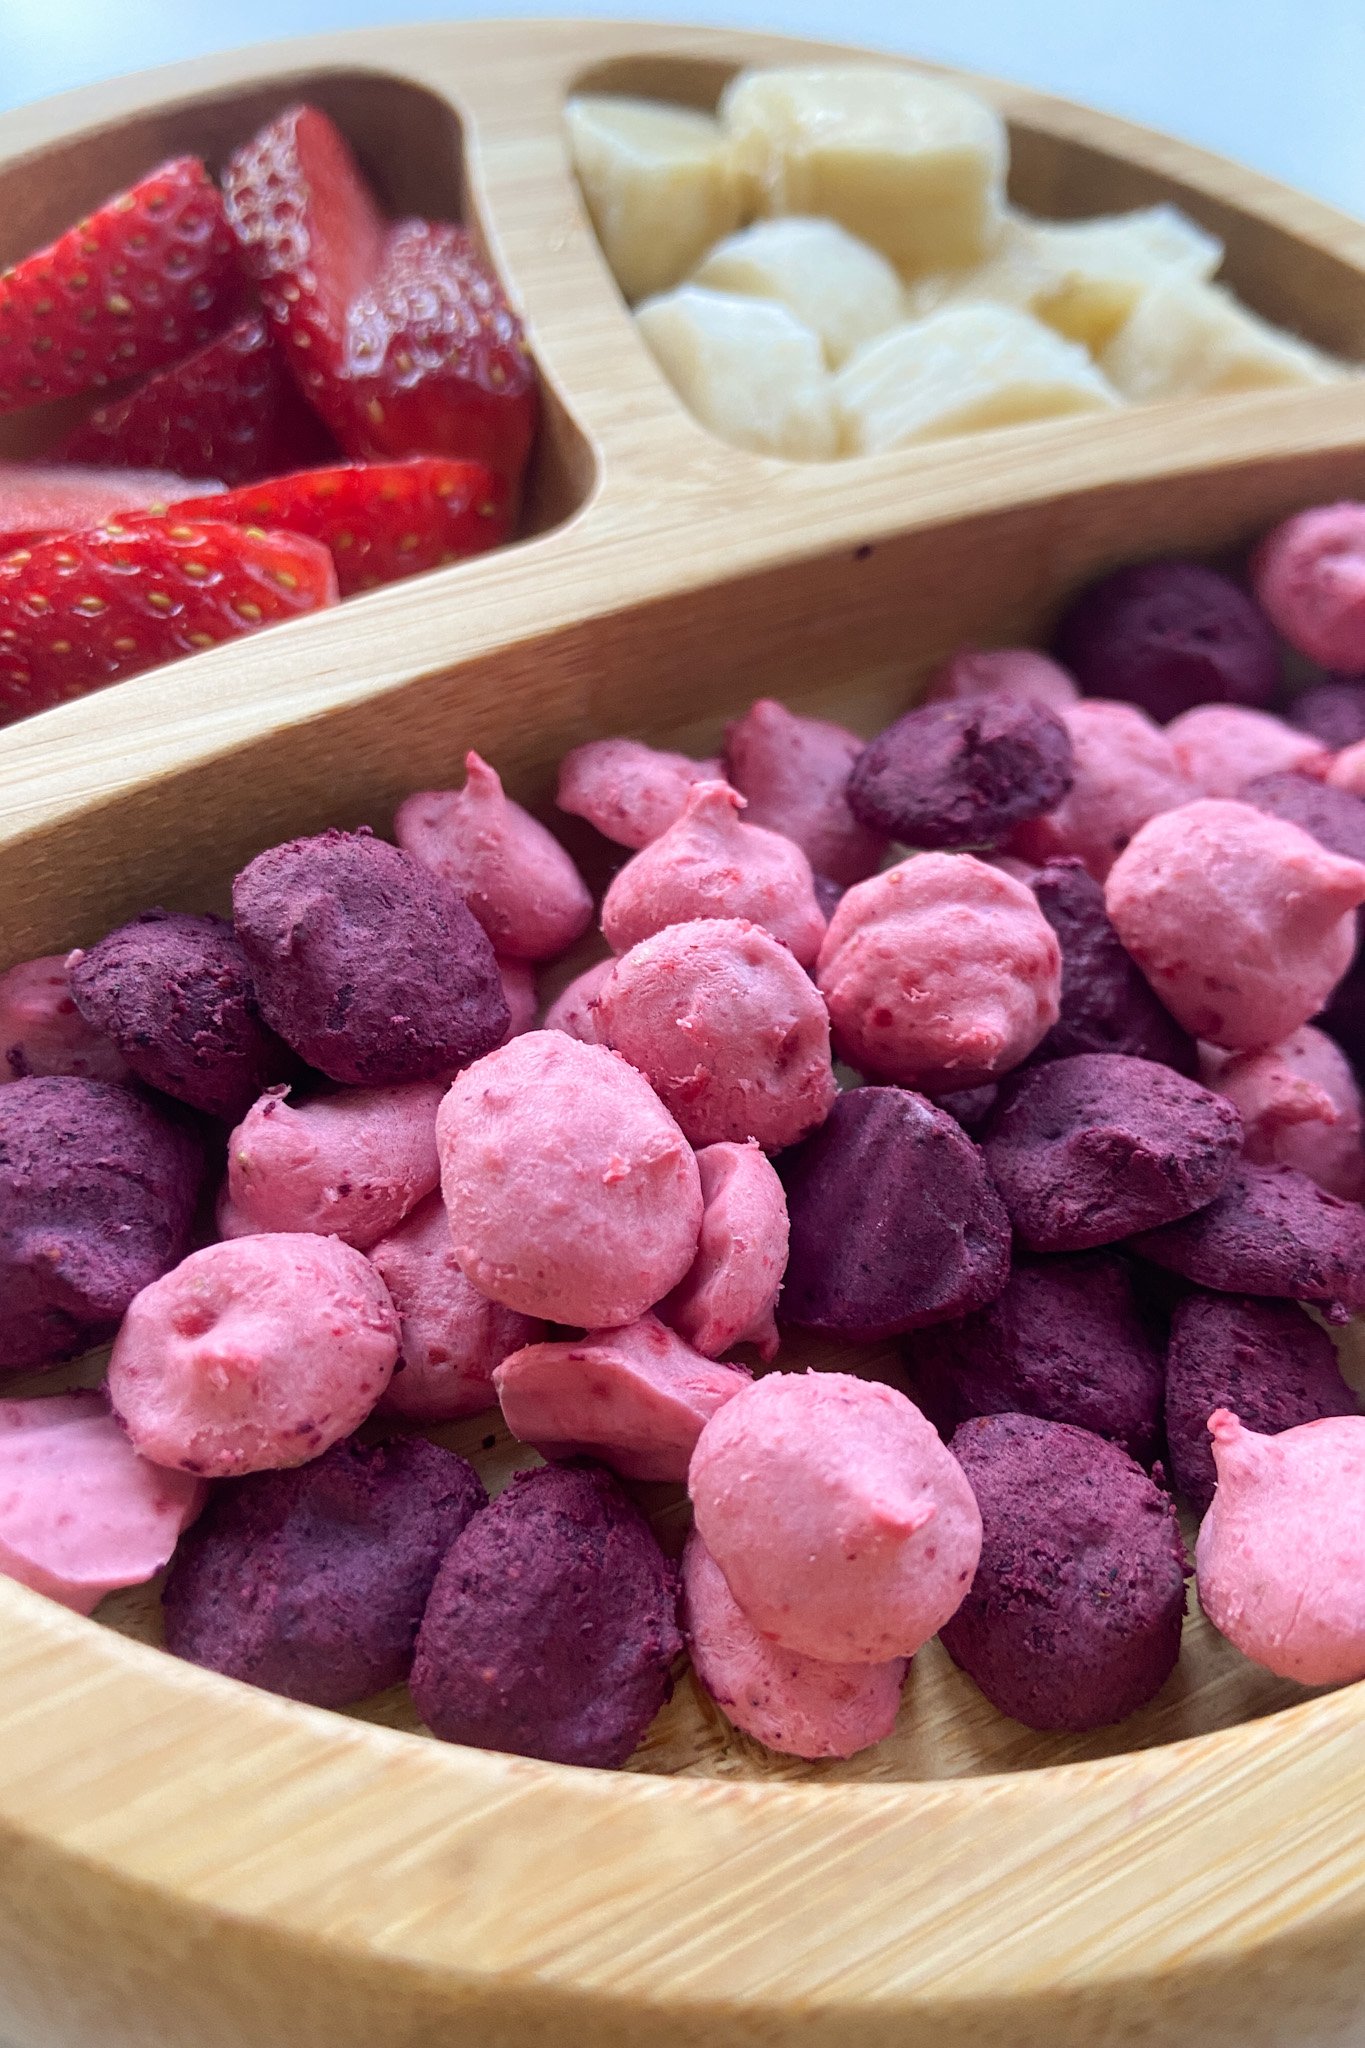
(730, 1293)
(348, 1165)
(632, 793)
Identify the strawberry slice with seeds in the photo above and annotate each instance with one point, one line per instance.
(78, 610)
(148, 276)
(400, 336)
(230, 410)
(381, 520)
(35, 500)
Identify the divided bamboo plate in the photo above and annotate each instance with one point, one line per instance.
(185, 1863)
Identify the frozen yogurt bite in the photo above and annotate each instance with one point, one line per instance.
(1309, 576)
(81, 1514)
(711, 864)
(636, 1399)
(1000, 671)
(861, 1540)
(1270, 1230)
(794, 775)
(961, 772)
(98, 1190)
(571, 1191)
(350, 1164)
(450, 1336)
(1280, 1563)
(730, 1292)
(174, 995)
(573, 1010)
(1300, 1106)
(253, 1354)
(1242, 923)
(514, 875)
(1167, 635)
(799, 1706)
(1107, 1003)
(632, 793)
(368, 965)
(312, 1582)
(43, 1033)
(1222, 747)
(727, 1029)
(939, 974)
(552, 1626)
(1123, 771)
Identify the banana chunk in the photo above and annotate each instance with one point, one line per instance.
(1191, 340)
(836, 285)
(661, 184)
(747, 368)
(912, 165)
(1083, 277)
(962, 369)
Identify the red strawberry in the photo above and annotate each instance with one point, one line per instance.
(78, 610)
(36, 500)
(400, 336)
(230, 410)
(147, 277)
(381, 520)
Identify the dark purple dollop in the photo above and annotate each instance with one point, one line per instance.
(368, 965)
(1269, 1231)
(961, 774)
(1065, 1341)
(1083, 1147)
(1332, 710)
(1073, 1619)
(894, 1221)
(98, 1188)
(1168, 635)
(1108, 1005)
(1265, 1360)
(313, 1582)
(552, 1625)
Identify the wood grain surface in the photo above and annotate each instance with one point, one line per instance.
(189, 1863)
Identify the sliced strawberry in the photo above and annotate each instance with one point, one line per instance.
(381, 520)
(147, 277)
(231, 410)
(78, 610)
(35, 500)
(435, 357)
(401, 336)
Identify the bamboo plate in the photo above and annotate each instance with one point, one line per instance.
(185, 1863)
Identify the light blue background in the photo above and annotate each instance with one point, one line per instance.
(1277, 83)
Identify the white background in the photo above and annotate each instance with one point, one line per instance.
(1277, 83)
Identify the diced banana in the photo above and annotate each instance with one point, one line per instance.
(1190, 339)
(833, 283)
(661, 184)
(747, 368)
(961, 369)
(1082, 277)
(913, 165)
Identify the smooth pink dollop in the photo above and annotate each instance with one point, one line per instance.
(1309, 577)
(793, 1704)
(1280, 1561)
(574, 1009)
(41, 1030)
(711, 864)
(514, 875)
(572, 1193)
(1124, 771)
(450, 1336)
(941, 973)
(844, 1527)
(254, 1355)
(793, 773)
(635, 1398)
(1002, 671)
(1242, 923)
(518, 979)
(81, 1514)
(731, 1292)
(629, 791)
(729, 1032)
(348, 1165)
(1223, 747)
(1300, 1106)
(1347, 769)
